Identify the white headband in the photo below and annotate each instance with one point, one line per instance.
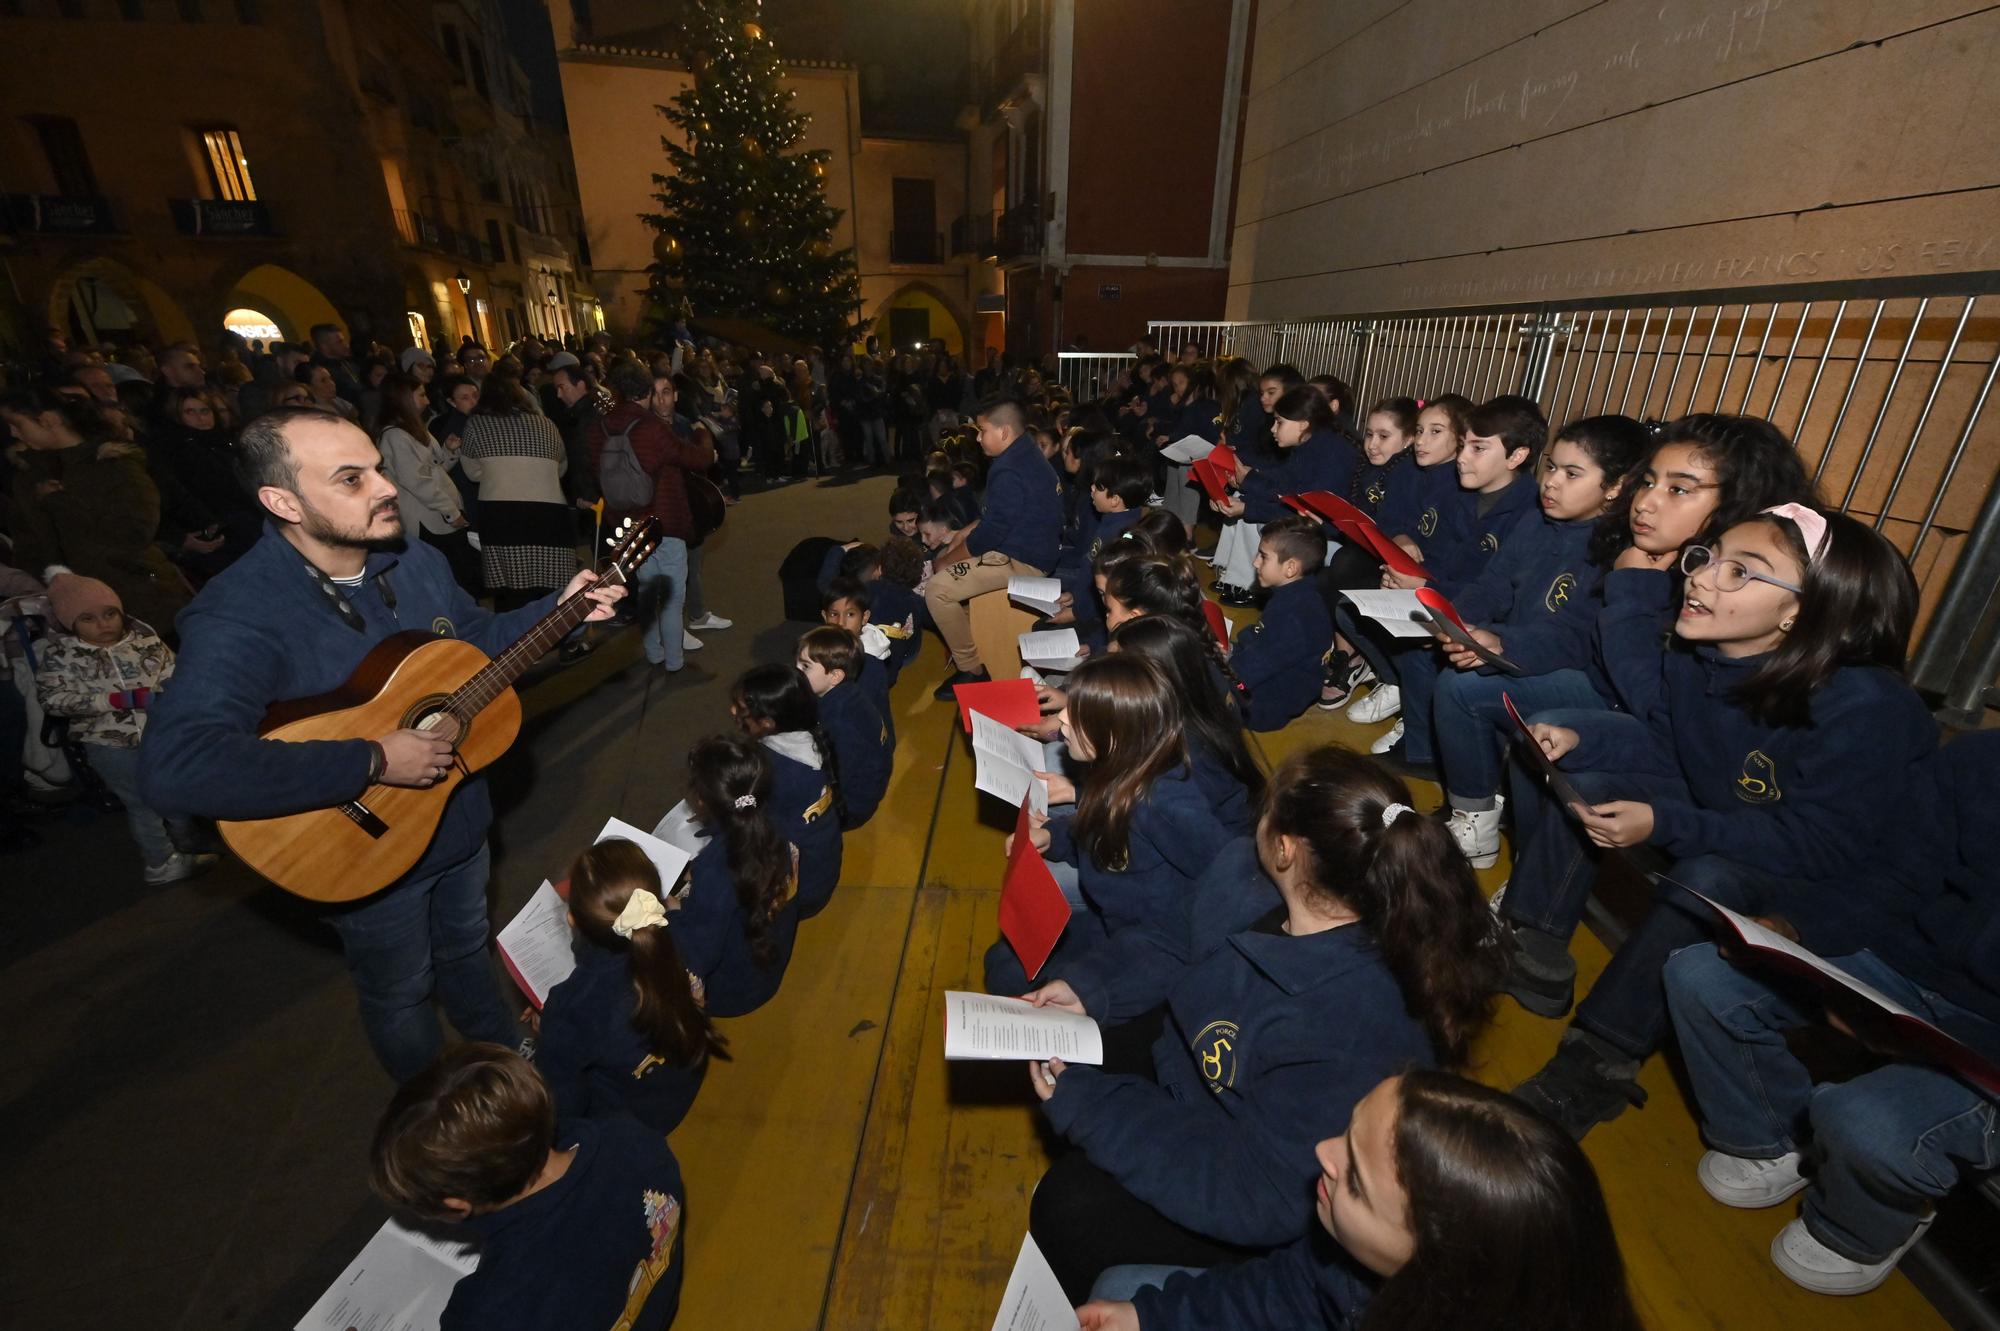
(642, 910)
(1391, 813)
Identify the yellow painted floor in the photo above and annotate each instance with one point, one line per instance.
(842, 1176)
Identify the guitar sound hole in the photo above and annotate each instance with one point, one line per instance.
(432, 712)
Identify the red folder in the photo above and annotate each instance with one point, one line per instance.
(1223, 459)
(1445, 616)
(1440, 605)
(1011, 702)
(1299, 506)
(1215, 482)
(1335, 509)
(1033, 910)
(1392, 555)
(1218, 623)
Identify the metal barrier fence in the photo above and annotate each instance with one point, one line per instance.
(1884, 390)
(1088, 374)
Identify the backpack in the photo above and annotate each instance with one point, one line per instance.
(627, 486)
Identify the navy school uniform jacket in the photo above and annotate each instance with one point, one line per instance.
(1249, 432)
(1323, 461)
(1309, 1285)
(891, 606)
(601, 1246)
(708, 930)
(862, 745)
(873, 682)
(1269, 1044)
(1227, 798)
(595, 1063)
(1467, 539)
(1080, 579)
(1540, 594)
(1415, 506)
(1161, 413)
(1372, 485)
(806, 817)
(262, 632)
(963, 505)
(1957, 948)
(1278, 657)
(1174, 834)
(1845, 809)
(1133, 973)
(1198, 416)
(1023, 509)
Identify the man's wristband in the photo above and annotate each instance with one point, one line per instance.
(377, 761)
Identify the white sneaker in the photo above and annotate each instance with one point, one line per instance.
(690, 643)
(1750, 1184)
(711, 621)
(1383, 701)
(1477, 834)
(1822, 1270)
(1384, 743)
(176, 867)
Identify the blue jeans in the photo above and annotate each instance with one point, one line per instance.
(423, 937)
(1886, 1144)
(1472, 733)
(120, 770)
(661, 591)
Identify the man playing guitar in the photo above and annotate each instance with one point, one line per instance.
(331, 577)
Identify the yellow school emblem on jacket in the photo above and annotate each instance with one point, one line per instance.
(820, 805)
(1559, 592)
(1758, 783)
(1490, 543)
(1427, 525)
(1215, 1051)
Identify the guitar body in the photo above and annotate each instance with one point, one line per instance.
(705, 505)
(351, 851)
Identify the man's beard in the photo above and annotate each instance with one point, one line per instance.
(328, 532)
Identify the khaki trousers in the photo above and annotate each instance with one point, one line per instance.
(952, 586)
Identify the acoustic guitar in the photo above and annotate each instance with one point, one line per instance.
(409, 681)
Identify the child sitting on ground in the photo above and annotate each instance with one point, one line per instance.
(850, 605)
(625, 1033)
(578, 1225)
(831, 659)
(1278, 658)
(102, 673)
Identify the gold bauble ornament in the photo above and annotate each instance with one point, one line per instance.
(666, 248)
(753, 32)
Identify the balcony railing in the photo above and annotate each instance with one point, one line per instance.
(59, 214)
(222, 217)
(972, 234)
(916, 247)
(1019, 232)
(1019, 53)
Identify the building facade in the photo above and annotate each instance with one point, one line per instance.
(1102, 149)
(266, 165)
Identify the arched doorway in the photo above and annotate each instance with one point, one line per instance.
(289, 302)
(102, 302)
(918, 313)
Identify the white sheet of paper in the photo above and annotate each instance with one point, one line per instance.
(679, 828)
(1033, 676)
(668, 858)
(1034, 1300)
(1041, 594)
(400, 1281)
(1051, 647)
(1394, 611)
(537, 941)
(1188, 448)
(987, 1026)
(1005, 762)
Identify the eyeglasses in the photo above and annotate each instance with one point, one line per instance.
(1730, 574)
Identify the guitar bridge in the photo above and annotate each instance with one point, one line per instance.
(365, 819)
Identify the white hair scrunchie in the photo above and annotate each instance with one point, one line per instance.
(1390, 813)
(642, 910)
(746, 801)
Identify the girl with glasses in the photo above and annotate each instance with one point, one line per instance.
(1755, 759)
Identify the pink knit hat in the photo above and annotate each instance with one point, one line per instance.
(70, 594)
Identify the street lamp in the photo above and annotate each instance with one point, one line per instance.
(464, 283)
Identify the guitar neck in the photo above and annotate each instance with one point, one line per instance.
(499, 674)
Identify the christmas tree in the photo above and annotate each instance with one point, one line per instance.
(745, 230)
